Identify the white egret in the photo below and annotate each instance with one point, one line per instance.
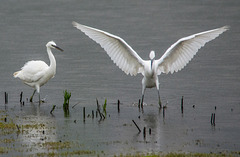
(173, 60)
(37, 73)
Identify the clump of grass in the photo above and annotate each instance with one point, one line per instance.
(33, 126)
(67, 96)
(3, 150)
(7, 128)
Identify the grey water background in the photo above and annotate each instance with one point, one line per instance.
(211, 79)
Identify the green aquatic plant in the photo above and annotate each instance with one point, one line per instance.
(67, 96)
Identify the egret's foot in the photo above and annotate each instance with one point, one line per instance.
(42, 101)
(31, 98)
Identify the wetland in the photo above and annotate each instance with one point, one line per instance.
(210, 83)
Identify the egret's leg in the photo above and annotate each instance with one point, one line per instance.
(143, 91)
(159, 99)
(32, 95)
(38, 90)
(142, 100)
(39, 98)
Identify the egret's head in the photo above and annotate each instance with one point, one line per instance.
(152, 56)
(52, 44)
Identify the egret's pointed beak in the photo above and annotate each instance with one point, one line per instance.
(56, 47)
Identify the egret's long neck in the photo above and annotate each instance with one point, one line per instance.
(152, 56)
(52, 59)
(151, 64)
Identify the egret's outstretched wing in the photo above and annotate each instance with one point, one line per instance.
(180, 53)
(118, 50)
(32, 71)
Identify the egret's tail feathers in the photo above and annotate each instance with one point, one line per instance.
(15, 74)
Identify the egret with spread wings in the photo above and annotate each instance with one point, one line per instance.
(173, 60)
(37, 73)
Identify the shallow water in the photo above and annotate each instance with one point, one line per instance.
(210, 79)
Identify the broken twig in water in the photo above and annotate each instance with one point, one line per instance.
(21, 94)
(213, 119)
(53, 109)
(144, 132)
(76, 104)
(84, 114)
(98, 109)
(6, 97)
(18, 128)
(92, 114)
(182, 104)
(118, 106)
(139, 130)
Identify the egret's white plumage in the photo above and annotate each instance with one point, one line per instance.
(173, 60)
(37, 73)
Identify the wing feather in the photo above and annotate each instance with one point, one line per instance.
(180, 53)
(117, 49)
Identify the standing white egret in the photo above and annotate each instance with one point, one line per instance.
(173, 60)
(37, 73)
